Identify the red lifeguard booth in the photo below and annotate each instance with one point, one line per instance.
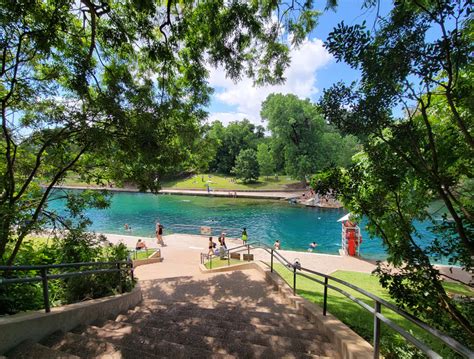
(350, 237)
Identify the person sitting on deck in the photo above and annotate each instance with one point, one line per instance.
(140, 245)
(276, 245)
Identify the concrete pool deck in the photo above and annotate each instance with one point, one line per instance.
(181, 258)
(258, 194)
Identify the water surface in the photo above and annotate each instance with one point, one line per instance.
(265, 220)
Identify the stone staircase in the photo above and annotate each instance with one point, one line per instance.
(223, 320)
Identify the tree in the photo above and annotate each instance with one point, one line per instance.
(418, 59)
(230, 140)
(265, 160)
(296, 127)
(339, 149)
(246, 166)
(115, 91)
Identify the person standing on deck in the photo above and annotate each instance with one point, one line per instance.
(244, 236)
(211, 247)
(159, 235)
(222, 240)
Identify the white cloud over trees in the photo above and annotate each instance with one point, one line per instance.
(246, 99)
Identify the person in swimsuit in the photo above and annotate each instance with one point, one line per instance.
(159, 235)
(211, 247)
(140, 245)
(222, 240)
(276, 245)
(244, 236)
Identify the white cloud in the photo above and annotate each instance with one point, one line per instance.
(300, 80)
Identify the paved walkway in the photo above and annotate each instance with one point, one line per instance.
(181, 258)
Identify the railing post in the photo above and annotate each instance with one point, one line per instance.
(377, 330)
(132, 276)
(248, 252)
(271, 261)
(120, 278)
(228, 258)
(44, 278)
(325, 303)
(294, 280)
(210, 261)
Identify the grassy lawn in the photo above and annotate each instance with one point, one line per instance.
(216, 263)
(359, 319)
(215, 182)
(141, 254)
(227, 182)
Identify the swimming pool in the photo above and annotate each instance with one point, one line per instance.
(265, 220)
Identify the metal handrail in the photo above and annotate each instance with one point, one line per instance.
(378, 316)
(376, 310)
(45, 276)
(61, 265)
(228, 251)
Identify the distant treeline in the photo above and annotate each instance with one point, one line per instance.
(296, 141)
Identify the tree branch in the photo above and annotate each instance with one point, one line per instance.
(39, 207)
(168, 19)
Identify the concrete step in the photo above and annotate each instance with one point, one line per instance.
(234, 348)
(189, 323)
(215, 288)
(274, 308)
(156, 334)
(154, 346)
(267, 296)
(31, 350)
(87, 347)
(223, 315)
(219, 338)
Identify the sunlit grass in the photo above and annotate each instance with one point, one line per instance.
(226, 182)
(215, 181)
(360, 320)
(216, 263)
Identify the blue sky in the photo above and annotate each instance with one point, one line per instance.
(312, 68)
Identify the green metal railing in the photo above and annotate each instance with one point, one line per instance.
(45, 276)
(227, 252)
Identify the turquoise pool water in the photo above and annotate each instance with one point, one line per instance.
(265, 220)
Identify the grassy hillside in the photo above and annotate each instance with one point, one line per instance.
(214, 181)
(229, 183)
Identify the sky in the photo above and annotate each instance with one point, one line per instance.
(312, 69)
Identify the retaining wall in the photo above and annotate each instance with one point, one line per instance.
(38, 325)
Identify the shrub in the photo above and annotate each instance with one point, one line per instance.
(72, 248)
